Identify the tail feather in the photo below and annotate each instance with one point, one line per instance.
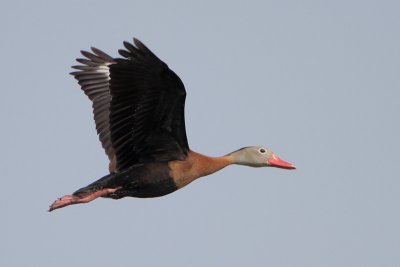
(104, 182)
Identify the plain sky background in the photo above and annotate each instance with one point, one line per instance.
(316, 81)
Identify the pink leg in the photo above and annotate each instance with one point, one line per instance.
(80, 198)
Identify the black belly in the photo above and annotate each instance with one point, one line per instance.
(144, 181)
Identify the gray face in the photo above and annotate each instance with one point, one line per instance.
(259, 156)
(254, 156)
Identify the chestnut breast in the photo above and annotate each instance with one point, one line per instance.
(194, 166)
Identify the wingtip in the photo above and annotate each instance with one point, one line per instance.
(75, 73)
(124, 53)
(102, 54)
(130, 47)
(83, 52)
(135, 40)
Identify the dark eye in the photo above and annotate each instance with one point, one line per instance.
(262, 150)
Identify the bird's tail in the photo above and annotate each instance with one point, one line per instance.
(104, 182)
(101, 188)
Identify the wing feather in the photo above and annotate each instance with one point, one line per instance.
(138, 105)
(93, 77)
(147, 108)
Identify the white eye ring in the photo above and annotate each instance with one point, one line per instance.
(262, 150)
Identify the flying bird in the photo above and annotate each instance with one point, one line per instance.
(138, 106)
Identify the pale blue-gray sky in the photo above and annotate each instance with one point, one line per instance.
(316, 81)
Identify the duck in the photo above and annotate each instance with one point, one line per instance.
(138, 107)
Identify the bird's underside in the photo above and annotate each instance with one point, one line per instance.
(141, 180)
(146, 180)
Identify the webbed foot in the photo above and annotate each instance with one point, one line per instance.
(80, 198)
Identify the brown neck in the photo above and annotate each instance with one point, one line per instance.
(196, 165)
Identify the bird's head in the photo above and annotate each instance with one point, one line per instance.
(257, 156)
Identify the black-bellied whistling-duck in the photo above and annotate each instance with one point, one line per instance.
(138, 106)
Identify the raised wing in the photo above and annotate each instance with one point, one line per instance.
(93, 77)
(138, 103)
(147, 108)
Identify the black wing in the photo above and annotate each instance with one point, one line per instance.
(145, 106)
(93, 77)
